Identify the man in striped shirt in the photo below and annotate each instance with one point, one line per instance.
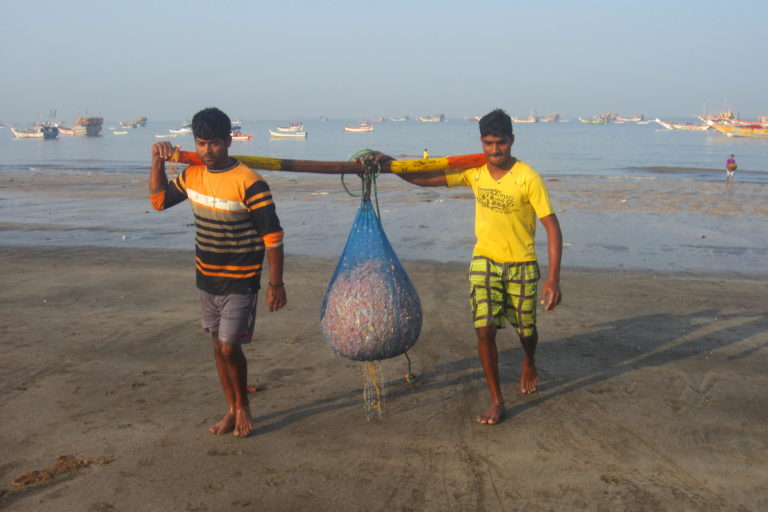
(235, 225)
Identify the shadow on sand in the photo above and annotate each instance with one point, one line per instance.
(612, 349)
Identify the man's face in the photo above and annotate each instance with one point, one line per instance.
(214, 152)
(498, 150)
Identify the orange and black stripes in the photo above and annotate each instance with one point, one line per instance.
(235, 222)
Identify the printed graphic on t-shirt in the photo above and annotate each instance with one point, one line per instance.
(495, 200)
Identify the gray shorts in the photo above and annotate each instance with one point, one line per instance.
(232, 316)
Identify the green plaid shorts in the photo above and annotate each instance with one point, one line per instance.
(500, 291)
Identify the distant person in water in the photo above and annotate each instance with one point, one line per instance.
(730, 168)
(504, 273)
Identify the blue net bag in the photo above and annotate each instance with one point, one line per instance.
(370, 310)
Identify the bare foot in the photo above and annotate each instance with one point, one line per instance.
(243, 421)
(225, 425)
(529, 378)
(493, 415)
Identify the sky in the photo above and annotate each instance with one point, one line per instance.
(301, 59)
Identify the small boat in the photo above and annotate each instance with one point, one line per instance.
(165, 135)
(682, 126)
(377, 119)
(738, 131)
(597, 120)
(434, 118)
(551, 118)
(239, 136)
(295, 126)
(530, 119)
(398, 119)
(288, 135)
(41, 131)
(67, 130)
(635, 119)
(119, 133)
(362, 127)
(472, 118)
(181, 131)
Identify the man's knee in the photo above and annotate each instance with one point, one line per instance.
(486, 334)
(531, 338)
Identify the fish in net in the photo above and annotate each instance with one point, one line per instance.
(370, 310)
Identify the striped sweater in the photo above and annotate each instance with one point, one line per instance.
(235, 221)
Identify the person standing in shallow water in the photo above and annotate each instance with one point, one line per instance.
(730, 168)
(235, 225)
(504, 272)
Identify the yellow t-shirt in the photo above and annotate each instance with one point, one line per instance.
(505, 211)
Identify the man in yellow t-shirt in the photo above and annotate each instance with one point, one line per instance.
(504, 272)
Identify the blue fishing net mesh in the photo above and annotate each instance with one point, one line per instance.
(370, 310)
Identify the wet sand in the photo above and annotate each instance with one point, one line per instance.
(607, 223)
(652, 370)
(651, 397)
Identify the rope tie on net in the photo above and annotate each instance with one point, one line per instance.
(371, 170)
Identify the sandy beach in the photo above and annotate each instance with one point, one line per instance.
(651, 397)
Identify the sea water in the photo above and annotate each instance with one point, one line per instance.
(555, 149)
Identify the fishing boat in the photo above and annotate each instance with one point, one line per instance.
(434, 118)
(398, 119)
(362, 127)
(165, 135)
(738, 131)
(598, 120)
(293, 127)
(119, 133)
(748, 124)
(635, 119)
(288, 135)
(87, 126)
(71, 130)
(682, 126)
(530, 119)
(40, 131)
(472, 118)
(185, 128)
(239, 136)
(719, 117)
(551, 118)
(135, 123)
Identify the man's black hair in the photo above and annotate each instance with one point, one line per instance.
(211, 123)
(496, 123)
